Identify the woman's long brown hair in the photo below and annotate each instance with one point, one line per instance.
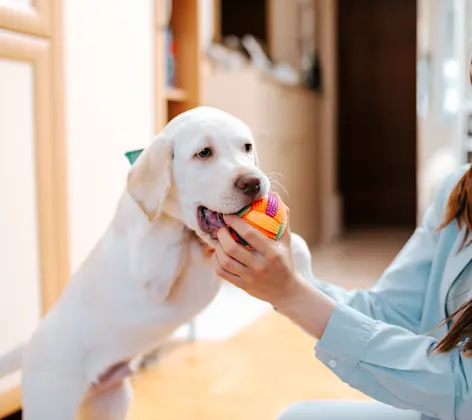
(459, 209)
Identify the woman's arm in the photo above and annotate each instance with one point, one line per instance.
(386, 362)
(395, 366)
(398, 296)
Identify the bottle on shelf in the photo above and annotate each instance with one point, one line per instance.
(170, 58)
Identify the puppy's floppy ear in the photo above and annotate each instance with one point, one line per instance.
(149, 179)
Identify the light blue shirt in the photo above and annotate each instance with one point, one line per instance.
(459, 293)
(380, 341)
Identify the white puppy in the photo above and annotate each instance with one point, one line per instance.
(147, 274)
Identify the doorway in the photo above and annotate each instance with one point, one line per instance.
(377, 112)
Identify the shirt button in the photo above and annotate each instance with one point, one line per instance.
(333, 364)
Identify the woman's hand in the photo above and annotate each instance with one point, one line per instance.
(266, 273)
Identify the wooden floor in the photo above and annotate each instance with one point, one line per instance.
(270, 365)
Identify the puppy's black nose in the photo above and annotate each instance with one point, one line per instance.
(249, 184)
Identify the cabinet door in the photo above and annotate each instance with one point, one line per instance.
(27, 16)
(33, 253)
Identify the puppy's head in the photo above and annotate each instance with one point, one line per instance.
(202, 166)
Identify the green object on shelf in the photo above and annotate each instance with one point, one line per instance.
(133, 155)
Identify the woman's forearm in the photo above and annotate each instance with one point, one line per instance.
(307, 307)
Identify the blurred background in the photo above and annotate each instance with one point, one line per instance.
(359, 109)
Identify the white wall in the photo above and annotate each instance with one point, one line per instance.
(109, 104)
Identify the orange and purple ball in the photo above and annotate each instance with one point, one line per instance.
(268, 215)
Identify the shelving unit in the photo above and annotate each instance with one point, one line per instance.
(176, 95)
(171, 101)
(185, 94)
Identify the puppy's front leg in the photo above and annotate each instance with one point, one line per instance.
(157, 257)
(301, 257)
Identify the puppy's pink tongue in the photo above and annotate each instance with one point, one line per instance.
(215, 219)
(215, 222)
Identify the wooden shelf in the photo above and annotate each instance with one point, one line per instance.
(184, 22)
(176, 95)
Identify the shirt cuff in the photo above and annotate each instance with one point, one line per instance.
(345, 340)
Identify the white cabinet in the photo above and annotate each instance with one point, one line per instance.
(33, 242)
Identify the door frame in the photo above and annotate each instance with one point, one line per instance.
(45, 56)
(33, 20)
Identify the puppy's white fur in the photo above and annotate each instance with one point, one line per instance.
(146, 275)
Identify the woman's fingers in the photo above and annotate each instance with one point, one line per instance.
(228, 263)
(267, 273)
(261, 243)
(225, 274)
(234, 249)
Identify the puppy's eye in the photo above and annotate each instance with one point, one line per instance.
(204, 154)
(248, 147)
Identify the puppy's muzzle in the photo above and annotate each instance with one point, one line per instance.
(249, 184)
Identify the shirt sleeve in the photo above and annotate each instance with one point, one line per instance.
(395, 366)
(398, 296)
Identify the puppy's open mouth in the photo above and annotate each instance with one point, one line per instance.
(210, 221)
